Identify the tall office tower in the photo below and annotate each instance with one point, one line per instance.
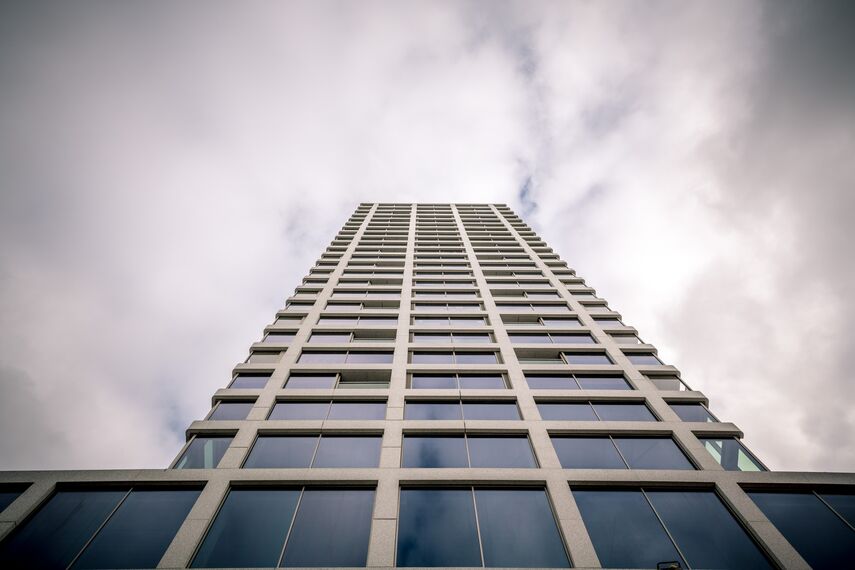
(442, 390)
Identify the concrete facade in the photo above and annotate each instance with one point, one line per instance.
(436, 227)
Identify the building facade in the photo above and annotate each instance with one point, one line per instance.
(442, 390)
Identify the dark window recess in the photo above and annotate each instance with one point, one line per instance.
(8, 494)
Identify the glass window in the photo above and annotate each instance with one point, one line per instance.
(644, 359)
(500, 451)
(731, 454)
(472, 338)
(587, 453)
(282, 451)
(337, 320)
(475, 357)
(204, 452)
(432, 411)
(433, 358)
(357, 411)
(668, 383)
(348, 451)
(231, 411)
(693, 413)
(369, 358)
(551, 382)
(262, 357)
(8, 494)
(572, 338)
(436, 527)
(322, 357)
(554, 322)
(318, 337)
(620, 412)
(279, 337)
(586, 358)
(299, 411)
(249, 530)
(567, 411)
(311, 381)
(822, 538)
(843, 504)
(481, 382)
(138, 533)
(432, 337)
(245, 381)
(602, 382)
(434, 381)
(625, 339)
(652, 453)
(331, 528)
(530, 338)
(518, 529)
(490, 411)
(434, 451)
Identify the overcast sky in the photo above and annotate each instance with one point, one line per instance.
(169, 171)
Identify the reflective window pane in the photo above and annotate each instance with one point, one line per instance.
(500, 451)
(569, 412)
(434, 451)
(436, 527)
(623, 412)
(322, 357)
(559, 338)
(432, 337)
(321, 338)
(475, 357)
(704, 530)
(138, 533)
(490, 411)
(731, 454)
(8, 494)
(250, 381)
(472, 337)
(369, 358)
(820, 536)
(204, 452)
(844, 504)
(249, 530)
(357, 411)
(434, 381)
(602, 382)
(551, 382)
(279, 337)
(310, 381)
(587, 453)
(331, 528)
(231, 411)
(299, 411)
(282, 451)
(582, 358)
(481, 382)
(262, 357)
(652, 453)
(644, 359)
(432, 411)
(432, 358)
(518, 529)
(529, 338)
(624, 529)
(693, 413)
(348, 451)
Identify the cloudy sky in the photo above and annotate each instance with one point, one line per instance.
(169, 171)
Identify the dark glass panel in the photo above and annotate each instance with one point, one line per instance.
(569, 412)
(623, 412)
(559, 338)
(518, 529)
(282, 451)
(433, 358)
(250, 381)
(299, 411)
(434, 381)
(436, 527)
(59, 530)
(644, 359)
(249, 530)
(602, 382)
(348, 451)
(322, 357)
(8, 494)
(139, 532)
(331, 528)
(731, 454)
(624, 529)
(310, 381)
(429, 321)
(587, 453)
(204, 452)
(652, 453)
(434, 451)
(820, 536)
(475, 357)
(693, 413)
(706, 533)
(357, 411)
(505, 451)
(481, 382)
(530, 338)
(432, 411)
(490, 411)
(231, 411)
(844, 504)
(553, 382)
(581, 358)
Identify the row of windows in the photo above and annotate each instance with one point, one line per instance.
(468, 526)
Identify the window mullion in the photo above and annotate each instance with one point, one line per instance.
(101, 526)
(665, 528)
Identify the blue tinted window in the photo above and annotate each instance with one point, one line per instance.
(571, 412)
(500, 451)
(572, 338)
(249, 531)
(299, 411)
(652, 453)
(59, 530)
(624, 529)
(543, 382)
(231, 411)
(693, 413)
(582, 358)
(706, 533)
(348, 451)
(331, 528)
(138, 533)
(434, 381)
(432, 411)
(731, 454)
(310, 381)
(623, 412)
(481, 382)
(602, 382)
(434, 451)
(819, 535)
(204, 452)
(644, 359)
(8, 493)
(436, 527)
(282, 451)
(490, 411)
(518, 529)
(357, 411)
(587, 453)
(250, 381)
(844, 504)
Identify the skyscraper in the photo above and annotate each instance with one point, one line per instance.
(442, 390)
